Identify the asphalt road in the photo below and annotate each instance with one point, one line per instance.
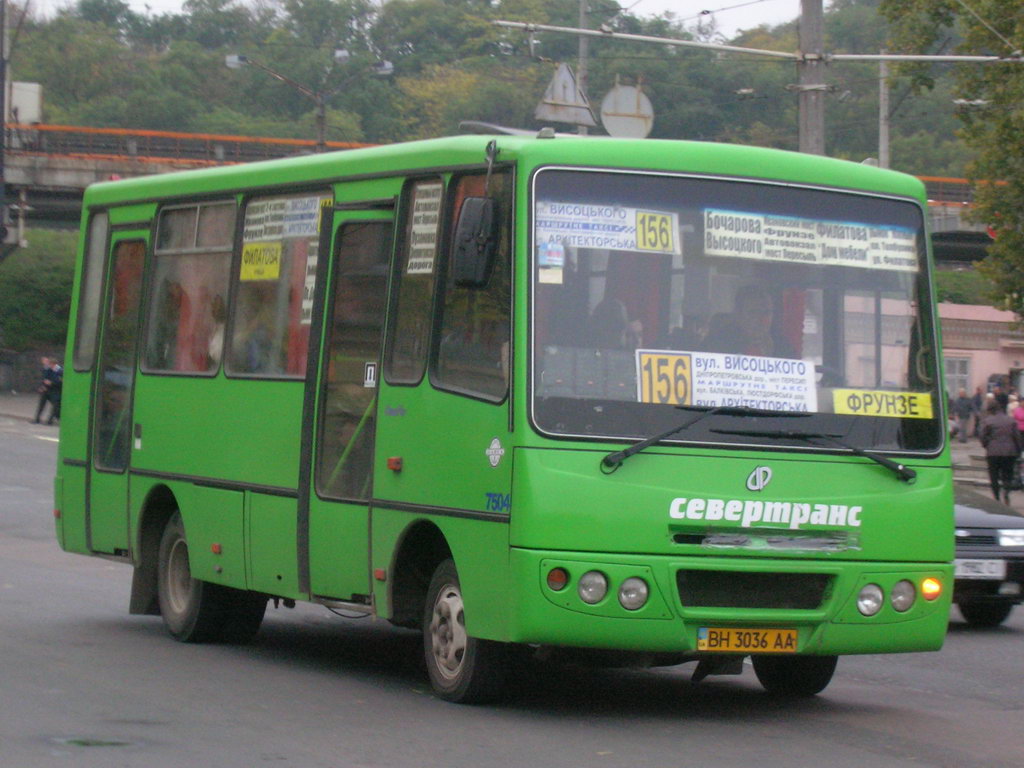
(84, 684)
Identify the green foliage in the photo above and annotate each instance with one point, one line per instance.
(963, 287)
(35, 291)
(103, 64)
(994, 128)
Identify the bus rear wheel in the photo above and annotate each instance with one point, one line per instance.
(461, 668)
(196, 611)
(794, 676)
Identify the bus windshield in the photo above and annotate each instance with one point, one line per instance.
(652, 291)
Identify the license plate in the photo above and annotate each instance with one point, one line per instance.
(980, 569)
(741, 640)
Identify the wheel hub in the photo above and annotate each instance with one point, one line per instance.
(448, 631)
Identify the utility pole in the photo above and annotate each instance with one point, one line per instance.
(810, 60)
(883, 113)
(812, 87)
(581, 64)
(3, 116)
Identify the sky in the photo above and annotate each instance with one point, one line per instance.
(731, 15)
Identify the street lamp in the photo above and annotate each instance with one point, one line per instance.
(318, 97)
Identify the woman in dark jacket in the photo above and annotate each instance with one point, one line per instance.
(1003, 443)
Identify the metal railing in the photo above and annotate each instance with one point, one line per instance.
(196, 149)
(191, 149)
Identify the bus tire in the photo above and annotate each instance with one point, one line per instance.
(794, 676)
(196, 611)
(461, 668)
(985, 614)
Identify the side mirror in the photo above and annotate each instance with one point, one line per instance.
(475, 242)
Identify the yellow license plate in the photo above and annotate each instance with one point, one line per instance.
(741, 640)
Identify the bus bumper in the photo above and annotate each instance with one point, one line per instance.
(816, 600)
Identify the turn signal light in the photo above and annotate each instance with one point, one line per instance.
(931, 588)
(557, 579)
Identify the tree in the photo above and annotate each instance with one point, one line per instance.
(35, 291)
(993, 121)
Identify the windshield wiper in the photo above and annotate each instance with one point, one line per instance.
(904, 472)
(614, 460)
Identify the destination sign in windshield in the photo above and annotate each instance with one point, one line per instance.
(768, 237)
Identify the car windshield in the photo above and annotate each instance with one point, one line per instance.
(652, 291)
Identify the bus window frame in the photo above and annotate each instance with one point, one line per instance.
(442, 287)
(399, 258)
(324, 189)
(327, 337)
(108, 297)
(91, 266)
(149, 292)
(928, 325)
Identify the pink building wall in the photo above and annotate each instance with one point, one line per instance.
(987, 338)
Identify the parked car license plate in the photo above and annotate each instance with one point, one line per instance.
(979, 569)
(741, 640)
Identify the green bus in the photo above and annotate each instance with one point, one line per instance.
(671, 401)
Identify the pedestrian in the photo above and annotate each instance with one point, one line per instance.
(1003, 443)
(962, 409)
(1001, 397)
(50, 385)
(978, 401)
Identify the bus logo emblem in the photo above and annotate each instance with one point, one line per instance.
(759, 478)
(495, 452)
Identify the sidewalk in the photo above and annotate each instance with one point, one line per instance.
(20, 405)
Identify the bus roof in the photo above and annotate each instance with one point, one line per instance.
(728, 160)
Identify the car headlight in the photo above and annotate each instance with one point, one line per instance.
(902, 595)
(870, 600)
(1011, 537)
(592, 587)
(633, 593)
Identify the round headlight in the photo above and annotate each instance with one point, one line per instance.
(902, 595)
(870, 599)
(592, 587)
(633, 594)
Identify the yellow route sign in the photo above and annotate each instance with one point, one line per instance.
(666, 378)
(261, 261)
(870, 402)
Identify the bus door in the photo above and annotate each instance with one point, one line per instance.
(107, 512)
(344, 429)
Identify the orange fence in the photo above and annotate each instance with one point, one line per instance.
(155, 146)
(946, 191)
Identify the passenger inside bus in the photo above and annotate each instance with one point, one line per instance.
(750, 329)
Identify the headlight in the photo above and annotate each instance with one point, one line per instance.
(592, 587)
(633, 594)
(902, 595)
(1011, 537)
(870, 599)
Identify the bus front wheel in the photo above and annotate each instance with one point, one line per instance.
(794, 675)
(196, 611)
(462, 668)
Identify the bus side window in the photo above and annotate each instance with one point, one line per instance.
(473, 344)
(405, 358)
(273, 303)
(87, 325)
(185, 333)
